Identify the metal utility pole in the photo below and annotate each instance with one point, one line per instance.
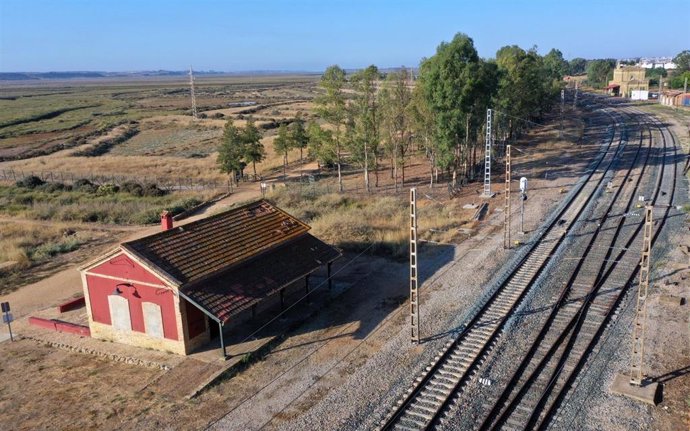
(560, 133)
(191, 85)
(637, 362)
(506, 205)
(487, 156)
(685, 86)
(575, 99)
(661, 87)
(414, 292)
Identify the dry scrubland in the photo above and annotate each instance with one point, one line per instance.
(137, 131)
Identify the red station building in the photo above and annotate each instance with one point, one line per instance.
(176, 290)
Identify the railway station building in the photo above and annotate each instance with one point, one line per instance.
(176, 290)
(628, 79)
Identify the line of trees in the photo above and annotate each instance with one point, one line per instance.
(371, 119)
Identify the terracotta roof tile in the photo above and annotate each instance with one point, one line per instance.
(206, 247)
(230, 292)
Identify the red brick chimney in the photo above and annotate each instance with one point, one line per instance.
(166, 221)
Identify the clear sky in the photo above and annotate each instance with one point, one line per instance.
(237, 35)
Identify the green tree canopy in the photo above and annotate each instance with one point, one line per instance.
(254, 151)
(298, 135)
(231, 151)
(598, 71)
(682, 60)
(364, 136)
(321, 145)
(577, 66)
(450, 83)
(331, 106)
(282, 144)
(556, 67)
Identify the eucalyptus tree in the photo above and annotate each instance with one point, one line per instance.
(298, 136)
(365, 120)
(523, 88)
(450, 85)
(281, 145)
(254, 151)
(321, 146)
(231, 151)
(423, 126)
(331, 106)
(395, 99)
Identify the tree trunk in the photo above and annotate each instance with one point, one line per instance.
(254, 166)
(366, 168)
(402, 169)
(376, 170)
(340, 176)
(395, 168)
(285, 160)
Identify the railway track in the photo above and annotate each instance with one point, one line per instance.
(586, 306)
(443, 380)
(583, 308)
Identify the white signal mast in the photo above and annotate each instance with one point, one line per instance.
(191, 85)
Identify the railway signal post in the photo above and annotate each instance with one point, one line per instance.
(523, 197)
(414, 292)
(560, 132)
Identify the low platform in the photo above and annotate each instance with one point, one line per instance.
(650, 393)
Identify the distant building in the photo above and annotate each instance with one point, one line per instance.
(657, 62)
(627, 79)
(675, 98)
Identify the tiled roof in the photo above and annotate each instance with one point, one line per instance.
(232, 291)
(203, 248)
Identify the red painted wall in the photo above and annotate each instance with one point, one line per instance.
(122, 266)
(100, 288)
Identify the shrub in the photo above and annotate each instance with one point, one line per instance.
(134, 189)
(151, 189)
(218, 115)
(50, 249)
(51, 187)
(84, 185)
(107, 189)
(30, 182)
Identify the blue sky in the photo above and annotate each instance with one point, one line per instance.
(234, 35)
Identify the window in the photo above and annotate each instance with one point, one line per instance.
(153, 319)
(119, 313)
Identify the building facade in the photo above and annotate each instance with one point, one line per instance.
(627, 79)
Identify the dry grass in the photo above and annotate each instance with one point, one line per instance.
(27, 244)
(375, 223)
(91, 205)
